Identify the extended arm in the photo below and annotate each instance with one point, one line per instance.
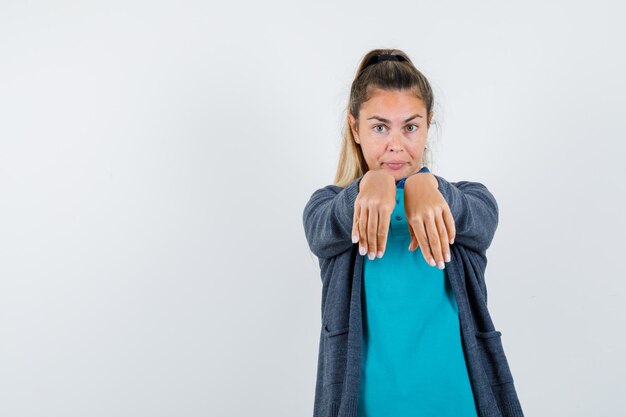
(475, 212)
(328, 218)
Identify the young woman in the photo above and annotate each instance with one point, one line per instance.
(402, 334)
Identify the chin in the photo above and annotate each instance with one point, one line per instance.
(398, 175)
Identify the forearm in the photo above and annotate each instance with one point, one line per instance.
(475, 212)
(328, 217)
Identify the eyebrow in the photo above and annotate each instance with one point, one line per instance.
(382, 119)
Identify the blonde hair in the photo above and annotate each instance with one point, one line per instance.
(386, 75)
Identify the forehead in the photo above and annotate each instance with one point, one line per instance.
(393, 103)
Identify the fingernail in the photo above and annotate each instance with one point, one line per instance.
(447, 257)
(432, 262)
(452, 241)
(371, 256)
(441, 265)
(355, 238)
(380, 254)
(362, 250)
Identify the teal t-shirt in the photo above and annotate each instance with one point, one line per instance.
(412, 362)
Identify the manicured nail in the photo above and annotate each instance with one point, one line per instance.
(447, 257)
(379, 254)
(452, 241)
(355, 238)
(371, 256)
(441, 265)
(362, 250)
(432, 262)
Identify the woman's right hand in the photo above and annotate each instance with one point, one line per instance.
(372, 212)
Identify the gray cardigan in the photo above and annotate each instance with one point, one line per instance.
(327, 219)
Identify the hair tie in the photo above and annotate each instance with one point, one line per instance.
(379, 58)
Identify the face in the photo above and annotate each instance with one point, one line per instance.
(392, 131)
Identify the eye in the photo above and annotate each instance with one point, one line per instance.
(415, 126)
(377, 126)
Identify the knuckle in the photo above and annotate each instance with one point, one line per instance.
(414, 218)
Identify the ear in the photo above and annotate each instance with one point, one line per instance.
(353, 127)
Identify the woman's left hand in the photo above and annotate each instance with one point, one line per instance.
(430, 220)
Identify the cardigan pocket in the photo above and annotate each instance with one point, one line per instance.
(335, 354)
(493, 357)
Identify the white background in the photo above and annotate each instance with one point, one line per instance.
(155, 159)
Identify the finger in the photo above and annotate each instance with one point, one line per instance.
(355, 223)
(383, 232)
(363, 231)
(450, 226)
(443, 237)
(414, 244)
(433, 239)
(372, 230)
(420, 234)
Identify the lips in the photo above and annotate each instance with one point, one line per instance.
(395, 165)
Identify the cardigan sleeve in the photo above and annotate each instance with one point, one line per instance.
(475, 212)
(328, 217)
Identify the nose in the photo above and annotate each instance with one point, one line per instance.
(396, 142)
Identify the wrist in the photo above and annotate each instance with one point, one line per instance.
(425, 178)
(379, 174)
